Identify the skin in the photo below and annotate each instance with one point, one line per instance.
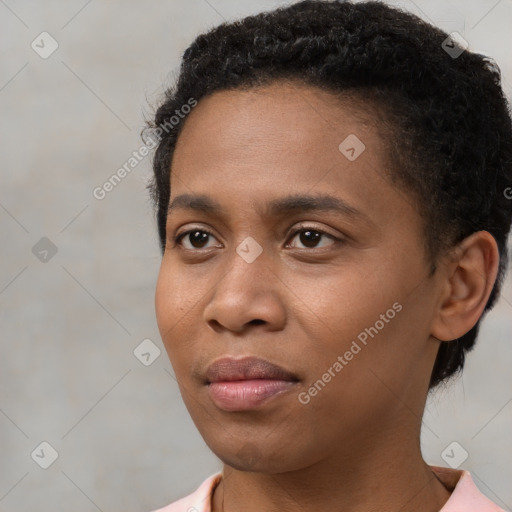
(301, 303)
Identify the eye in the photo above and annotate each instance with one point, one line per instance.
(194, 236)
(310, 236)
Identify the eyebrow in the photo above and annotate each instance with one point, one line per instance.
(276, 207)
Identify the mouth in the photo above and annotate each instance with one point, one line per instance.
(247, 383)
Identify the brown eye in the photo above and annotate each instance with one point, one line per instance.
(310, 237)
(196, 237)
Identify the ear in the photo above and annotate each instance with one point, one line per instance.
(468, 279)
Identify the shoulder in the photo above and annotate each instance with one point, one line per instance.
(465, 494)
(198, 501)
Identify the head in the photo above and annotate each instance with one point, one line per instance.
(359, 102)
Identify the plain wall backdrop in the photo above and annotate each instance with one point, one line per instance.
(78, 274)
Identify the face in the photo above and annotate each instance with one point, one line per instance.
(335, 291)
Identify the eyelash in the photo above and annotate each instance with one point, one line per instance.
(178, 238)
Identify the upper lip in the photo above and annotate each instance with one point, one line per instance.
(246, 368)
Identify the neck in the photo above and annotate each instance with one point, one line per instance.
(363, 480)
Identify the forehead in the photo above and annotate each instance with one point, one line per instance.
(274, 105)
(284, 127)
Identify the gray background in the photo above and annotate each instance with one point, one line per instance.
(69, 326)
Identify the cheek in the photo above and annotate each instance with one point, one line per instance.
(369, 356)
(370, 319)
(164, 306)
(175, 295)
(179, 297)
(173, 306)
(342, 302)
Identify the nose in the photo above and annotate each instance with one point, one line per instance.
(247, 294)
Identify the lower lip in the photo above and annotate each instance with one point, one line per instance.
(243, 395)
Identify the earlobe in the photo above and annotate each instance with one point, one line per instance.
(470, 277)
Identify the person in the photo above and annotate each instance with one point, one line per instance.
(330, 195)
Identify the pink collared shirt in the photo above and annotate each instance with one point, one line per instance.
(465, 495)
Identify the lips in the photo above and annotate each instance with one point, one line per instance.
(229, 369)
(246, 384)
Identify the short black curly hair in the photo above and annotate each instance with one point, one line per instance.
(448, 114)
